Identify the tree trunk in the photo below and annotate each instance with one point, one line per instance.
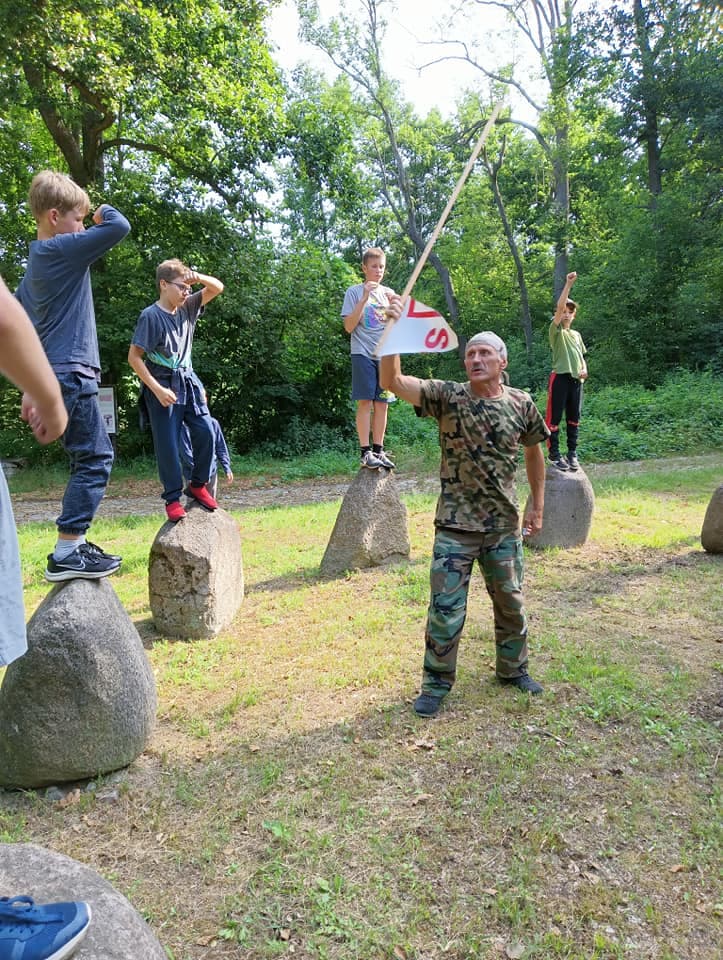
(650, 135)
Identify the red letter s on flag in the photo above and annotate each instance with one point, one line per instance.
(436, 338)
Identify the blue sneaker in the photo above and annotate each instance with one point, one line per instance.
(88, 562)
(49, 931)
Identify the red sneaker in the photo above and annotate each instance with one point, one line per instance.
(203, 497)
(175, 512)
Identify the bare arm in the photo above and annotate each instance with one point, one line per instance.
(135, 358)
(212, 286)
(563, 298)
(535, 469)
(392, 378)
(24, 362)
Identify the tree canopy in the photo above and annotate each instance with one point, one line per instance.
(178, 114)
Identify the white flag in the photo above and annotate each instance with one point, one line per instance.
(419, 330)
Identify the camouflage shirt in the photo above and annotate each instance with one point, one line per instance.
(480, 440)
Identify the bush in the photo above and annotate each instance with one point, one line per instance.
(301, 437)
(634, 423)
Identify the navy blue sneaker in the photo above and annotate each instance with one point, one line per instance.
(50, 931)
(96, 549)
(86, 563)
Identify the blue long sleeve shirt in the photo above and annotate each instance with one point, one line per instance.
(57, 294)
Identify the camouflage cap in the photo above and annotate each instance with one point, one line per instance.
(489, 338)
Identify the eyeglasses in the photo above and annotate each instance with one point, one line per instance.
(181, 286)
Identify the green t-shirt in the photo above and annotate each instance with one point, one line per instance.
(480, 440)
(568, 350)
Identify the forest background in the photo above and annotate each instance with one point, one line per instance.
(179, 115)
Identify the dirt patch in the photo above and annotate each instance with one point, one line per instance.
(145, 499)
(142, 497)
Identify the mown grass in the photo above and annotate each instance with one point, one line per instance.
(290, 804)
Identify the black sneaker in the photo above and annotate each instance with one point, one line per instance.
(107, 556)
(524, 682)
(559, 462)
(84, 563)
(426, 705)
(572, 462)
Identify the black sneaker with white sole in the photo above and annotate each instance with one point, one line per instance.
(572, 462)
(85, 563)
(559, 462)
(99, 550)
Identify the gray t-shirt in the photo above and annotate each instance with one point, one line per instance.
(367, 333)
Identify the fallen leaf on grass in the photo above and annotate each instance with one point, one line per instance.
(285, 934)
(678, 868)
(422, 798)
(515, 951)
(400, 954)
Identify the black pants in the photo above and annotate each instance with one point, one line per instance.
(564, 395)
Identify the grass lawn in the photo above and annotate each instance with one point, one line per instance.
(290, 803)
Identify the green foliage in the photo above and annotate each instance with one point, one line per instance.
(194, 171)
(183, 91)
(682, 415)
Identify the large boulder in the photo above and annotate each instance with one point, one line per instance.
(371, 527)
(116, 931)
(569, 507)
(195, 575)
(82, 701)
(711, 536)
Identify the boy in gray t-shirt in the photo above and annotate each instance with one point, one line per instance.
(363, 313)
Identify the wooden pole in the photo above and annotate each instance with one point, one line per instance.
(445, 213)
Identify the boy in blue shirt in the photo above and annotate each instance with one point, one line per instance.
(57, 295)
(172, 392)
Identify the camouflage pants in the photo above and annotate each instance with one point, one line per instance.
(454, 555)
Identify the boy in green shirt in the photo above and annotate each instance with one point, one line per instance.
(569, 370)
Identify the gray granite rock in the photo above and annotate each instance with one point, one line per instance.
(195, 575)
(711, 535)
(371, 526)
(569, 508)
(82, 701)
(116, 932)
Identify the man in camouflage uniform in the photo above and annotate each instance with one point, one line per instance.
(481, 426)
